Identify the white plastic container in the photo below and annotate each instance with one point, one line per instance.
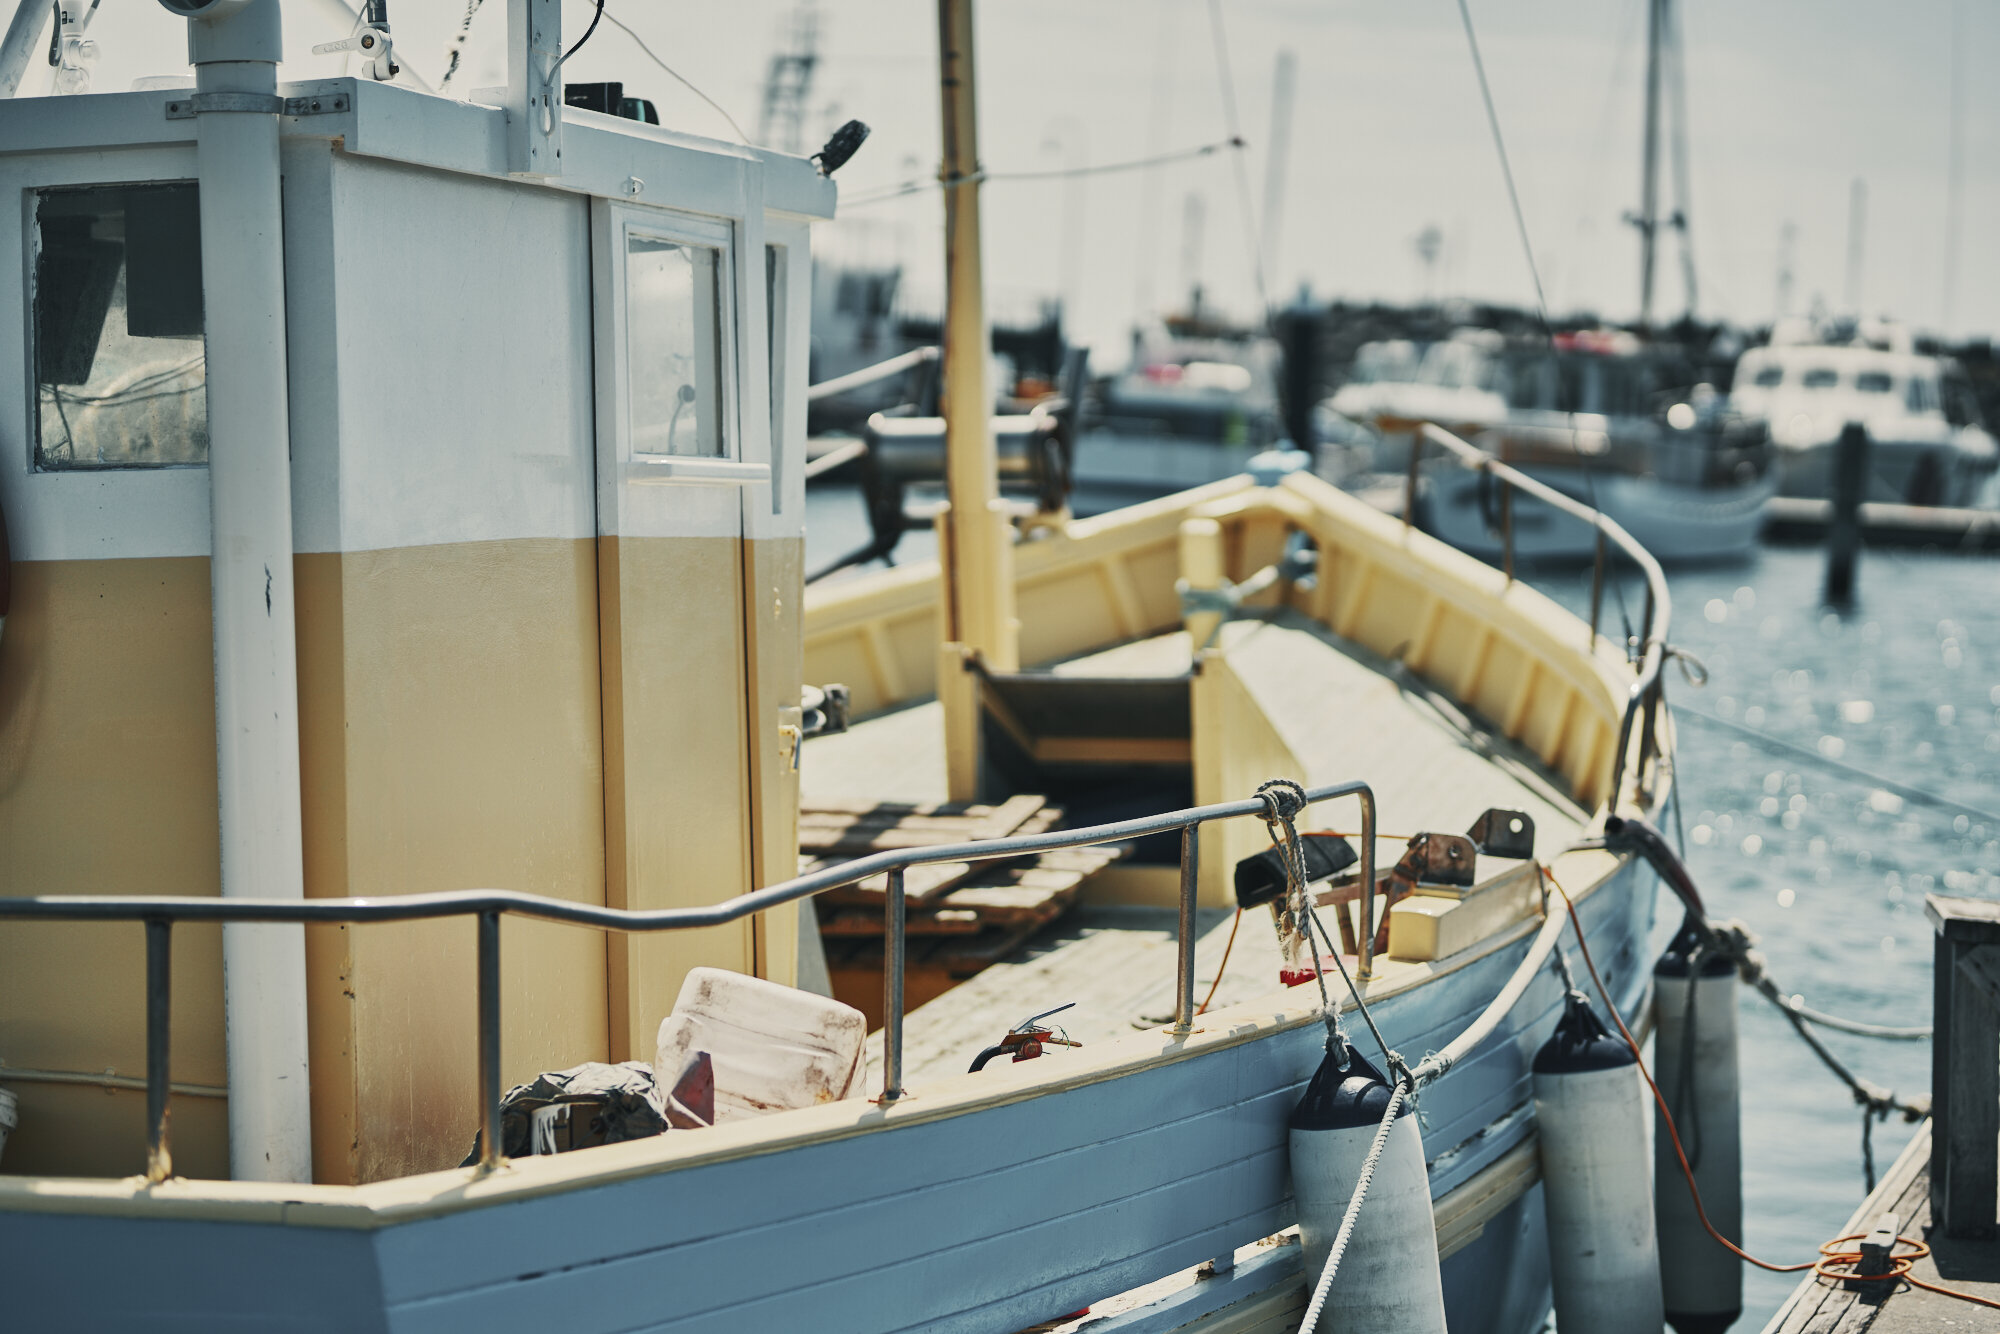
(774, 1047)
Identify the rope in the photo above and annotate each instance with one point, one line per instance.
(1284, 800)
(1733, 941)
(1829, 1257)
(1347, 1221)
(1922, 796)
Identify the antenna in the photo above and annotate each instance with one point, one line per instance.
(781, 125)
(1647, 220)
(1954, 190)
(1277, 157)
(1788, 240)
(1857, 242)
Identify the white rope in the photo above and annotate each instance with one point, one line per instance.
(1340, 1240)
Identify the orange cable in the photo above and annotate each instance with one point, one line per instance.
(1823, 1267)
(1203, 1007)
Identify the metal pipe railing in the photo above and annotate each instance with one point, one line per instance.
(1643, 696)
(161, 913)
(867, 375)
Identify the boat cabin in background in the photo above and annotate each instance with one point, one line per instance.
(546, 441)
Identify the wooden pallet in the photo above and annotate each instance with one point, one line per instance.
(959, 916)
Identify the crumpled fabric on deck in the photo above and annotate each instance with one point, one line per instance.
(607, 1104)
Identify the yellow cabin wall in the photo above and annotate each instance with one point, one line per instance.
(451, 739)
(677, 829)
(107, 786)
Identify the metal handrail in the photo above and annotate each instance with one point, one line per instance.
(867, 375)
(1644, 693)
(159, 914)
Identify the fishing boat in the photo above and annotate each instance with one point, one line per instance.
(1396, 386)
(419, 709)
(1926, 442)
(1636, 439)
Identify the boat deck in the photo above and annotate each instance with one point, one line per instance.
(1823, 1307)
(1346, 713)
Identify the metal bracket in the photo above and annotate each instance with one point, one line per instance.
(186, 108)
(1504, 833)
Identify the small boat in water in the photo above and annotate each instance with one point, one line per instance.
(1188, 410)
(1666, 458)
(1926, 442)
(547, 631)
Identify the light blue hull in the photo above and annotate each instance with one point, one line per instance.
(982, 1220)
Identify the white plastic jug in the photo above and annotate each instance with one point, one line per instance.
(774, 1047)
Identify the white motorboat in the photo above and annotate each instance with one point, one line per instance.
(1926, 442)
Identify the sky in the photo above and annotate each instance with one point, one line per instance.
(1789, 103)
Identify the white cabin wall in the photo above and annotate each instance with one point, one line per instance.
(449, 643)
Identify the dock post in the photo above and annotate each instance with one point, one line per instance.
(1965, 1073)
(1843, 535)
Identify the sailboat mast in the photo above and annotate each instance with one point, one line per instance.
(1649, 186)
(978, 547)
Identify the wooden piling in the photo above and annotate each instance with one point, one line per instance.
(1843, 538)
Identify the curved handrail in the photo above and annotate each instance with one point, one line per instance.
(159, 913)
(1659, 606)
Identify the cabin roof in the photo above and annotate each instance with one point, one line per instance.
(603, 155)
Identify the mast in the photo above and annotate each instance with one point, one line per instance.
(1648, 221)
(978, 535)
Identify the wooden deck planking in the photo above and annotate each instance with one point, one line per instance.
(1346, 717)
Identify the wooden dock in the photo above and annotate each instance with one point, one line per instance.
(1795, 519)
(1824, 1306)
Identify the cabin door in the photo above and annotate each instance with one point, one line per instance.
(672, 480)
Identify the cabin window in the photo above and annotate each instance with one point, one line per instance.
(1769, 376)
(674, 345)
(1874, 382)
(1821, 377)
(1921, 397)
(120, 366)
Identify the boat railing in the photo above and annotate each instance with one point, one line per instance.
(160, 914)
(1643, 696)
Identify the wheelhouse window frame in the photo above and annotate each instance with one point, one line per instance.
(85, 293)
(619, 224)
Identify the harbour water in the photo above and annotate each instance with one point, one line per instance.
(1830, 870)
(1827, 868)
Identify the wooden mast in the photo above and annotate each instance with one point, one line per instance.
(977, 547)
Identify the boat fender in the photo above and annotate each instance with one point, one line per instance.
(1694, 1060)
(1388, 1282)
(1590, 1114)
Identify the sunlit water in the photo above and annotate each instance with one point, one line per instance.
(1829, 870)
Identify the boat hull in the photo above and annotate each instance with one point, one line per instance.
(978, 1204)
(1675, 522)
(1112, 469)
(1916, 472)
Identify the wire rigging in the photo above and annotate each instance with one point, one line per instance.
(1238, 167)
(911, 187)
(653, 56)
